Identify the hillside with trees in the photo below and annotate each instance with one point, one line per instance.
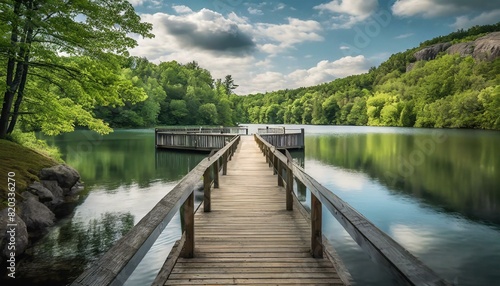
(56, 90)
(449, 91)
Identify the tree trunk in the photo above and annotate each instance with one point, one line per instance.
(12, 82)
(25, 52)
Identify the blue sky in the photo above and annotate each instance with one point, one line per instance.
(272, 45)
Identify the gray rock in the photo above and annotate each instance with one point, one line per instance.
(27, 194)
(44, 194)
(54, 188)
(36, 215)
(431, 52)
(487, 47)
(463, 49)
(58, 192)
(21, 234)
(65, 176)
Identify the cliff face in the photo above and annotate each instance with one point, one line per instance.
(487, 47)
(431, 52)
(484, 48)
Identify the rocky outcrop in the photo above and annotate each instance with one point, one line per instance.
(36, 215)
(13, 234)
(36, 210)
(463, 49)
(43, 194)
(484, 48)
(65, 176)
(431, 52)
(487, 47)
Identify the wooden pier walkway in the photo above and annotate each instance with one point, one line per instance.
(252, 228)
(249, 237)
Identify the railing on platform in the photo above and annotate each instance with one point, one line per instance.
(192, 141)
(240, 130)
(283, 138)
(381, 248)
(116, 265)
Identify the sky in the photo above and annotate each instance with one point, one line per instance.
(274, 45)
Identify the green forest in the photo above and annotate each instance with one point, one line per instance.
(59, 74)
(448, 92)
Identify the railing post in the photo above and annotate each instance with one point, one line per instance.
(279, 166)
(188, 207)
(216, 174)
(206, 190)
(316, 233)
(275, 165)
(224, 163)
(289, 187)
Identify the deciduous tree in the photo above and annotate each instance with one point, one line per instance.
(38, 43)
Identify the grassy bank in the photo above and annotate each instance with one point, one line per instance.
(24, 162)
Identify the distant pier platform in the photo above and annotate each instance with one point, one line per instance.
(206, 139)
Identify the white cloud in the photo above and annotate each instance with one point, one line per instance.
(280, 6)
(344, 48)
(438, 8)
(326, 71)
(348, 12)
(425, 8)
(178, 38)
(404, 36)
(464, 22)
(181, 9)
(255, 11)
(285, 36)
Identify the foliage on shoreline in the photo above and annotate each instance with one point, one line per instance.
(24, 162)
(448, 92)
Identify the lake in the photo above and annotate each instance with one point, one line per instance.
(436, 192)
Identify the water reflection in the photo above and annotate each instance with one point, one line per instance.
(124, 178)
(455, 170)
(71, 247)
(123, 158)
(443, 206)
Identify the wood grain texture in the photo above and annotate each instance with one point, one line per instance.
(249, 237)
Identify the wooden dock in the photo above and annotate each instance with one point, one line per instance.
(249, 237)
(252, 228)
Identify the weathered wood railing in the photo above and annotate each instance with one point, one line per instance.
(210, 130)
(116, 265)
(283, 138)
(192, 141)
(381, 248)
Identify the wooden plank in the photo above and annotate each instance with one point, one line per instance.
(282, 270)
(249, 237)
(116, 265)
(240, 281)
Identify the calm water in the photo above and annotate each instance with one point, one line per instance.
(437, 192)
